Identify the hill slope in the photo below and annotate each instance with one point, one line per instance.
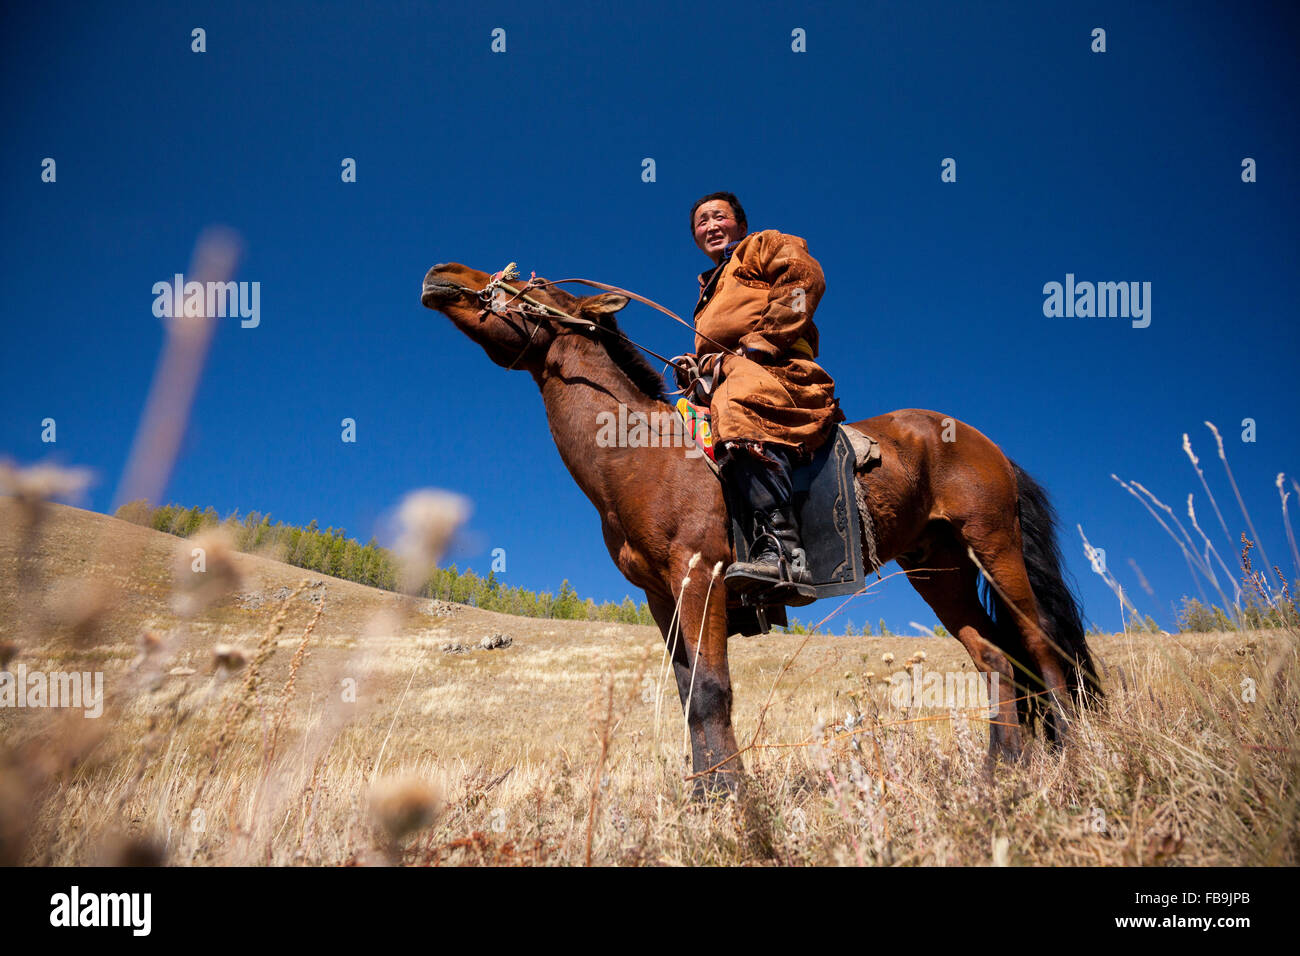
(395, 714)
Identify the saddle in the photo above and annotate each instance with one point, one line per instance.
(829, 508)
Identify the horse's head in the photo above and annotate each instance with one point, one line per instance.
(514, 335)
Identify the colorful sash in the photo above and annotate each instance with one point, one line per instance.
(696, 419)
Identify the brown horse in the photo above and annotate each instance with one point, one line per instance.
(945, 502)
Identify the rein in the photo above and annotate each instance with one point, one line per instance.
(494, 300)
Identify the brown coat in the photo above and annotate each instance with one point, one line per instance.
(775, 393)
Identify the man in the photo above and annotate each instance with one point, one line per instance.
(771, 404)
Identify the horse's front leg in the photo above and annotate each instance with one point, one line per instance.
(699, 660)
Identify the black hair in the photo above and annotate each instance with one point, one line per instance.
(736, 208)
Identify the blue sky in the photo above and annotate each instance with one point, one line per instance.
(1115, 166)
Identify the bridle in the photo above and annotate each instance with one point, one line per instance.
(493, 298)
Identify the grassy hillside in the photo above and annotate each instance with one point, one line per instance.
(337, 723)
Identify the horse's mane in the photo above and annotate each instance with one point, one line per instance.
(626, 356)
(631, 360)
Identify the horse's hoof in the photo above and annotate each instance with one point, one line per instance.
(1005, 747)
(1056, 723)
(717, 787)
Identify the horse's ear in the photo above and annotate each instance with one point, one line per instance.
(605, 304)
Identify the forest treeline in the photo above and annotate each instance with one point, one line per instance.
(330, 551)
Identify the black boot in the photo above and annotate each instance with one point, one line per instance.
(776, 572)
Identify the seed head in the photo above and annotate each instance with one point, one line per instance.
(428, 519)
(42, 482)
(228, 658)
(205, 571)
(403, 806)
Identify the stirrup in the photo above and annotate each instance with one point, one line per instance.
(780, 589)
(791, 593)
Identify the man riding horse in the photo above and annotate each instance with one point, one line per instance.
(771, 404)
(978, 529)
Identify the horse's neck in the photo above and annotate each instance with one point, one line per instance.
(581, 387)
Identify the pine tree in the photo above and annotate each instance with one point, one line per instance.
(627, 611)
(179, 517)
(261, 533)
(471, 587)
(291, 547)
(1221, 621)
(350, 562)
(1194, 616)
(567, 606)
(161, 519)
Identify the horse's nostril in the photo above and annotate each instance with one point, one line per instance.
(439, 265)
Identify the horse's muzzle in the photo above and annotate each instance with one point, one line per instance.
(436, 293)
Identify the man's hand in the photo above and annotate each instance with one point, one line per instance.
(685, 370)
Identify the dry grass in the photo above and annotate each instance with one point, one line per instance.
(334, 729)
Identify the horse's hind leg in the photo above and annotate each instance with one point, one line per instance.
(1000, 553)
(948, 581)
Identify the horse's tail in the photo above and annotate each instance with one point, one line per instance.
(1058, 608)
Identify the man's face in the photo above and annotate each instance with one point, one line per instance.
(715, 226)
